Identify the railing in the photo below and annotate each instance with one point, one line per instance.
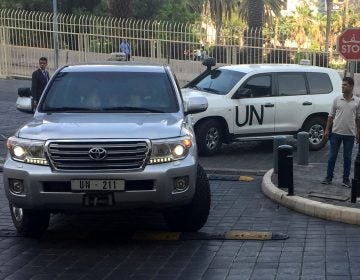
(25, 36)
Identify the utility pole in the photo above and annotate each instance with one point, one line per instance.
(55, 35)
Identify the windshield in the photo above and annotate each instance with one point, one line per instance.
(111, 91)
(218, 81)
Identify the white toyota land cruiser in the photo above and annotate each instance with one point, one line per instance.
(104, 138)
(253, 102)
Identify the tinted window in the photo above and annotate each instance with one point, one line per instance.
(111, 91)
(319, 83)
(291, 84)
(260, 86)
(218, 81)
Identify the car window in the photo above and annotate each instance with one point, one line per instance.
(319, 83)
(117, 91)
(291, 84)
(260, 85)
(218, 81)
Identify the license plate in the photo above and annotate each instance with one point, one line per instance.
(98, 185)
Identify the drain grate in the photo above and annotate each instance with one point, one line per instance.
(329, 196)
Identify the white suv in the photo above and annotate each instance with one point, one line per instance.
(255, 102)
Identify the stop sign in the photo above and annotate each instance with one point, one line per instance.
(348, 44)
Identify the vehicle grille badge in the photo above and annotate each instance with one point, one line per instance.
(97, 153)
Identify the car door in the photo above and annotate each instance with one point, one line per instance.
(255, 112)
(293, 103)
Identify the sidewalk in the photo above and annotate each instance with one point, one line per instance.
(331, 202)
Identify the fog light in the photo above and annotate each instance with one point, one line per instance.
(16, 186)
(181, 183)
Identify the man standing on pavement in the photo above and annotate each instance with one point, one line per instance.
(125, 48)
(343, 125)
(39, 79)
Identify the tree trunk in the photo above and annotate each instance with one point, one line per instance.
(328, 24)
(254, 33)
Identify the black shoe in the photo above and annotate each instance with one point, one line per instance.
(346, 183)
(326, 181)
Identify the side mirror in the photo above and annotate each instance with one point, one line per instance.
(24, 92)
(195, 104)
(24, 101)
(209, 62)
(242, 93)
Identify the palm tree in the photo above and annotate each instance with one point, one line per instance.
(328, 23)
(219, 9)
(119, 8)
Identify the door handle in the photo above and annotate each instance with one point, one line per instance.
(269, 105)
(307, 103)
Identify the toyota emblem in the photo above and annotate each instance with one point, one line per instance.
(97, 153)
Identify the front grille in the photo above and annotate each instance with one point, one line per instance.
(74, 155)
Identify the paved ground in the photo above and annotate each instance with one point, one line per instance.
(98, 247)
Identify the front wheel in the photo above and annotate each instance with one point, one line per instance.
(316, 129)
(193, 216)
(209, 137)
(29, 223)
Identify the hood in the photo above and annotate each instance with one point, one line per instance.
(95, 126)
(187, 92)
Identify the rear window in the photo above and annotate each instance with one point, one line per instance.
(319, 83)
(111, 91)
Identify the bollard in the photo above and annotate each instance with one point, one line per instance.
(303, 148)
(355, 184)
(285, 172)
(278, 141)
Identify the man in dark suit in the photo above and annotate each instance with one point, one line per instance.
(39, 79)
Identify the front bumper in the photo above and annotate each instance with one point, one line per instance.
(51, 190)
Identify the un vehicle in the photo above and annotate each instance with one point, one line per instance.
(259, 101)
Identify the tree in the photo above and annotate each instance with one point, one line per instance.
(328, 24)
(119, 8)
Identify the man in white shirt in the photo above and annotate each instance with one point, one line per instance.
(343, 127)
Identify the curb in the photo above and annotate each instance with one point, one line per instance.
(309, 207)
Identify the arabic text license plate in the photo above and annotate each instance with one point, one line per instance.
(98, 185)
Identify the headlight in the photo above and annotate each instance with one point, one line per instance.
(167, 150)
(27, 151)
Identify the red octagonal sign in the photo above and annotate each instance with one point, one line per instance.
(348, 44)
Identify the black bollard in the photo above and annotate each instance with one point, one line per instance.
(355, 186)
(285, 168)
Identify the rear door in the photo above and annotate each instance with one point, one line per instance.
(293, 103)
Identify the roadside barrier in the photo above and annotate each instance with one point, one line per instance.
(303, 148)
(355, 186)
(278, 141)
(285, 172)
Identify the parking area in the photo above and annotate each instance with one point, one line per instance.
(108, 246)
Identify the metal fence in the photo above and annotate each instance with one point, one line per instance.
(25, 36)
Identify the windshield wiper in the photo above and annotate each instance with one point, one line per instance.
(196, 87)
(212, 90)
(133, 109)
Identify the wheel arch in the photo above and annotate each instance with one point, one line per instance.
(323, 115)
(221, 120)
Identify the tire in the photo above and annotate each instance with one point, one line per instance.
(29, 223)
(209, 137)
(316, 129)
(191, 217)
